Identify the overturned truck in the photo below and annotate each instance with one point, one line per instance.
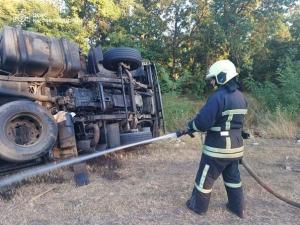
(57, 103)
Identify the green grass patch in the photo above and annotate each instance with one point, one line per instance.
(259, 120)
(179, 110)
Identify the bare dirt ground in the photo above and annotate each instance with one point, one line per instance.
(150, 185)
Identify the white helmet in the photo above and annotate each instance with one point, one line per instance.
(223, 71)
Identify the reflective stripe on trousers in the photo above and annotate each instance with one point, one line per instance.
(202, 180)
(233, 185)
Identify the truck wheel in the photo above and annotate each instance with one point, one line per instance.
(129, 138)
(129, 56)
(27, 132)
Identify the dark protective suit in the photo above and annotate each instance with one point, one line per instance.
(222, 117)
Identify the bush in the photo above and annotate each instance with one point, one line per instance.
(167, 85)
(191, 84)
(178, 111)
(188, 83)
(289, 78)
(285, 93)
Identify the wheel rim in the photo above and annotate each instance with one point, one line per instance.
(23, 129)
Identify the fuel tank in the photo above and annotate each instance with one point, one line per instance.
(24, 53)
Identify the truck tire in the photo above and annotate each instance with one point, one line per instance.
(27, 132)
(129, 56)
(129, 138)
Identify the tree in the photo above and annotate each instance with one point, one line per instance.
(97, 16)
(248, 26)
(177, 15)
(44, 17)
(183, 37)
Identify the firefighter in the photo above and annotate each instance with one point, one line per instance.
(222, 117)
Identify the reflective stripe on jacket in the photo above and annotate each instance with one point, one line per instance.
(223, 117)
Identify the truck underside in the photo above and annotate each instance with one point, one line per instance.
(56, 103)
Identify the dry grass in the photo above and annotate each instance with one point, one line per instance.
(56, 177)
(261, 122)
(254, 112)
(277, 125)
(152, 186)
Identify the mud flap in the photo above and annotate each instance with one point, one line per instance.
(81, 176)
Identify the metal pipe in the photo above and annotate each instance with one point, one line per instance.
(102, 97)
(39, 79)
(120, 73)
(36, 97)
(9, 180)
(133, 81)
(81, 78)
(160, 98)
(15, 86)
(133, 104)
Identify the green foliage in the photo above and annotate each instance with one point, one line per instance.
(166, 84)
(44, 17)
(188, 84)
(285, 93)
(289, 79)
(191, 84)
(184, 37)
(97, 15)
(178, 111)
(267, 93)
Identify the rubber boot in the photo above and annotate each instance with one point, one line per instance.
(198, 202)
(236, 203)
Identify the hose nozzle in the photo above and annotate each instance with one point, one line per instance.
(180, 133)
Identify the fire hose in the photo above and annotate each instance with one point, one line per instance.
(18, 177)
(267, 187)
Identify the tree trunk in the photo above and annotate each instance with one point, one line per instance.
(175, 43)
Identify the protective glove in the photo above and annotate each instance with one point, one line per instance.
(190, 130)
(245, 135)
(180, 133)
(190, 126)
